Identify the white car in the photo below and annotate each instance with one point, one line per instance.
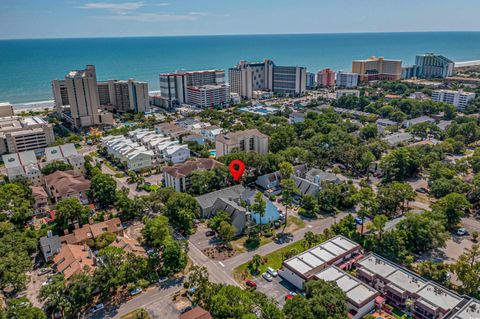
(267, 276)
(461, 231)
(136, 291)
(97, 308)
(272, 271)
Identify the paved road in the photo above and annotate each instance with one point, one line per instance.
(153, 300)
(316, 226)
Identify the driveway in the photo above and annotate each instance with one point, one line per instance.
(277, 289)
(201, 240)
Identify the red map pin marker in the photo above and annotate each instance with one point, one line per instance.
(237, 167)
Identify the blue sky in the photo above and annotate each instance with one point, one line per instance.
(105, 18)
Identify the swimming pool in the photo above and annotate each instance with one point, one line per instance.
(213, 153)
(271, 214)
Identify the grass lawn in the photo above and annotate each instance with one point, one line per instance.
(293, 220)
(240, 244)
(274, 260)
(137, 314)
(399, 314)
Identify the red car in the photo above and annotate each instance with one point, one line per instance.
(288, 297)
(251, 283)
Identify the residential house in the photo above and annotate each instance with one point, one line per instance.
(176, 153)
(41, 198)
(418, 120)
(66, 184)
(297, 117)
(270, 183)
(23, 165)
(207, 201)
(129, 245)
(319, 176)
(74, 259)
(90, 231)
(66, 153)
(50, 245)
(178, 175)
(211, 132)
(172, 130)
(398, 138)
(196, 313)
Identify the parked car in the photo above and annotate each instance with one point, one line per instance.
(161, 280)
(267, 276)
(422, 190)
(44, 271)
(136, 291)
(288, 297)
(358, 221)
(209, 233)
(272, 271)
(251, 283)
(461, 232)
(97, 308)
(186, 309)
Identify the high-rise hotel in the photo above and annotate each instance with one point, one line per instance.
(199, 88)
(377, 68)
(247, 77)
(77, 99)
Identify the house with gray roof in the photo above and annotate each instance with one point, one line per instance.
(398, 138)
(418, 120)
(207, 201)
(50, 245)
(319, 176)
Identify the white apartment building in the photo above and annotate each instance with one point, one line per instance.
(341, 93)
(178, 176)
(458, 98)
(208, 95)
(247, 77)
(246, 141)
(134, 155)
(346, 79)
(124, 96)
(23, 165)
(18, 134)
(66, 153)
(26, 165)
(173, 86)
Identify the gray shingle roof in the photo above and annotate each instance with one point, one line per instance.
(208, 200)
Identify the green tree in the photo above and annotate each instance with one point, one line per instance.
(181, 209)
(393, 197)
(367, 204)
(369, 131)
(56, 166)
(102, 189)
(231, 302)
(69, 211)
(310, 204)
(451, 209)
(289, 189)
(214, 222)
(226, 231)
(21, 308)
(15, 202)
(156, 231)
(467, 270)
(259, 205)
(103, 240)
(400, 163)
(378, 223)
(174, 257)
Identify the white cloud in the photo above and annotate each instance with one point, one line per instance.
(200, 14)
(154, 17)
(125, 6)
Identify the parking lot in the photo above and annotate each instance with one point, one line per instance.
(201, 240)
(277, 289)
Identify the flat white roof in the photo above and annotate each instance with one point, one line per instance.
(356, 291)
(377, 265)
(321, 254)
(406, 281)
(470, 310)
(438, 296)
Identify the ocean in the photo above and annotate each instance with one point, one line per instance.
(28, 66)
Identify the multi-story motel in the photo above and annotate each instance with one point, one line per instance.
(19, 134)
(326, 78)
(26, 165)
(247, 77)
(144, 148)
(459, 99)
(174, 88)
(377, 281)
(178, 176)
(406, 290)
(311, 80)
(246, 141)
(377, 68)
(124, 96)
(347, 80)
(77, 99)
(428, 66)
(343, 92)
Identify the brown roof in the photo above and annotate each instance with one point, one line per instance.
(171, 129)
(234, 137)
(72, 259)
(129, 245)
(79, 235)
(67, 182)
(187, 168)
(38, 192)
(196, 313)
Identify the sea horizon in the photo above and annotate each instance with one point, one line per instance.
(29, 65)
